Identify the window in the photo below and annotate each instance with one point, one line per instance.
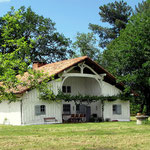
(117, 109)
(40, 110)
(66, 109)
(78, 108)
(66, 89)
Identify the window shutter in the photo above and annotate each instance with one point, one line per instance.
(119, 109)
(37, 110)
(66, 109)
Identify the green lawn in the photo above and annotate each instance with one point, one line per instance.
(84, 136)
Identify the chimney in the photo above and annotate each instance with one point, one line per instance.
(38, 64)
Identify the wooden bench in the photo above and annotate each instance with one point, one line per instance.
(50, 119)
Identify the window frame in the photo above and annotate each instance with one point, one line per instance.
(77, 108)
(40, 110)
(66, 110)
(66, 89)
(117, 109)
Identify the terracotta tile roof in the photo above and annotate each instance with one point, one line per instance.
(50, 69)
(58, 67)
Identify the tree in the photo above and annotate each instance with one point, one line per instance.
(15, 59)
(130, 57)
(116, 14)
(85, 45)
(50, 45)
(9, 61)
(141, 7)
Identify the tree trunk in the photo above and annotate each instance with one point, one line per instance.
(142, 107)
(147, 99)
(148, 107)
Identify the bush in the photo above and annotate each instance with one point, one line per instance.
(107, 119)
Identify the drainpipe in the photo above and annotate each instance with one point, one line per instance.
(103, 110)
(21, 112)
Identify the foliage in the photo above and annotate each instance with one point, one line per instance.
(85, 45)
(40, 81)
(116, 14)
(134, 108)
(10, 61)
(128, 57)
(15, 50)
(46, 44)
(45, 91)
(141, 7)
(88, 98)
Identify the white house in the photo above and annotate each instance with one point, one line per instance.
(75, 76)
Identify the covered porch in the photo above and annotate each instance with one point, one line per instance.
(81, 80)
(75, 111)
(81, 113)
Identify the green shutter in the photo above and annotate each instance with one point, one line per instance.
(37, 110)
(118, 109)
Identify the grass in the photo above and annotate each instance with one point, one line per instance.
(83, 136)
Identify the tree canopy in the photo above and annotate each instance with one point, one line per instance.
(26, 37)
(116, 14)
(141, 7)
(128, 57)
(50, 46)
(12, 60)
(85, 45)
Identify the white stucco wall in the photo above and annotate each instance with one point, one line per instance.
(84, 86)
(125, 110)
(30, 100)
(10, 113)
(109, 90)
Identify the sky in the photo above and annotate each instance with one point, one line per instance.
(70, 16)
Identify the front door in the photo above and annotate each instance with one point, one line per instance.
(88, 113)
(82, 109)
(85, 110)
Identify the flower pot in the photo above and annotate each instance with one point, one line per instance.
(139, 114)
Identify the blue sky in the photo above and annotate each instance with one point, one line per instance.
(70, 16)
